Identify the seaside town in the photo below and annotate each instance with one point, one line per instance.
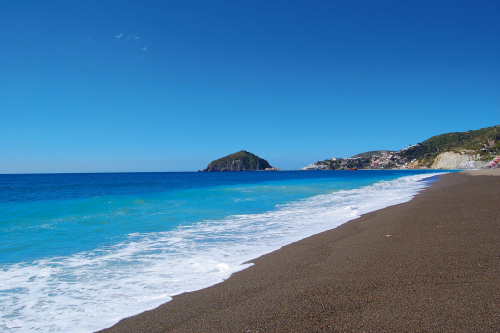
(390, 160)
(479, 149)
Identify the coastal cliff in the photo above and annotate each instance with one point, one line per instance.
(459, 150)
(240, 161)
(451, 160)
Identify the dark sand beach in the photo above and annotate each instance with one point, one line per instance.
(429, 265)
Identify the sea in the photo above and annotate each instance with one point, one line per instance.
(79, 252)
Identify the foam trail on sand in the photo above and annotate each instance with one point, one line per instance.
(92, 290)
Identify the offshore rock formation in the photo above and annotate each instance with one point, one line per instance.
(240, 161)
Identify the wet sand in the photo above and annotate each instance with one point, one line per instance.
(429, 265)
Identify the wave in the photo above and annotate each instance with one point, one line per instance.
(95, 289)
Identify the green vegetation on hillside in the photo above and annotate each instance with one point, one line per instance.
(369, 154)
(484, 142)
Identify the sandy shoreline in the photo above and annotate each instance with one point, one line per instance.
(438, 271)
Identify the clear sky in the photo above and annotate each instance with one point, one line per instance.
(105, 86)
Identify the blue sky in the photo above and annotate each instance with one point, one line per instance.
(115, 86)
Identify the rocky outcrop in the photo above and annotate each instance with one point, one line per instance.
(240, 161)
(451, 160)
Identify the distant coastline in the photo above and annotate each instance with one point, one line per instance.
(477, 149)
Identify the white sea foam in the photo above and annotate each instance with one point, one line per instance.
(93, 290)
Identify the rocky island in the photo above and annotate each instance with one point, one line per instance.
(240, 161)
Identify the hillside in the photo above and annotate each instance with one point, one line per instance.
(483, 143)
(369, 154)
(240, 161)
(457, 150)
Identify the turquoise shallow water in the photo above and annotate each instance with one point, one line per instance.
(67, 239)
(51, 215)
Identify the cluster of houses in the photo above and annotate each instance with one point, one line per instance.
(379, 161)
(392, 160)
(411, 146)
(495, 163)
(315, 166)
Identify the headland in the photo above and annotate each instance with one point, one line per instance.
(473, 149)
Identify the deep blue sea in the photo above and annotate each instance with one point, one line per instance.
(79, 252)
